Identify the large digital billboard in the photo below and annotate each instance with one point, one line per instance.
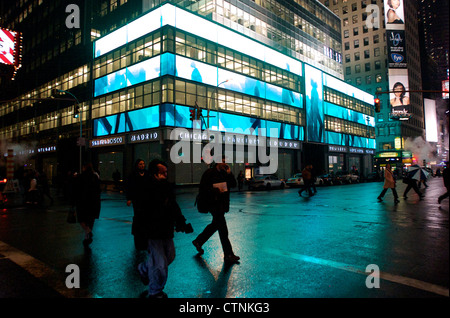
(183, 20)
(170, 64)
(394, 14)
(9, 47)
(399, 97)
(314, 103)
(398, 72)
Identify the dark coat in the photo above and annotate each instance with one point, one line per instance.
(162, 213)
(87, 196)
(217, 201)
(446, 176)
(137, 189)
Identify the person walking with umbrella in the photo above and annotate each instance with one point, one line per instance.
(389, 183)
(411, 180)
(417, 174)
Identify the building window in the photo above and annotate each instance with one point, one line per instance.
(377, 65)
(356, 44)
(376, 51)
(367, 67)
(392, 131)
(357, 56)
(355, 31)
(366, 54)
(376, 38)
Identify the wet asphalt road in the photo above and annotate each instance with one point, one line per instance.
(290, 247)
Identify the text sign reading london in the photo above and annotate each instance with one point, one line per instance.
(110, 141)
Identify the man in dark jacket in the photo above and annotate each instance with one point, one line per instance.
(446, 176)
(215, 184)
(307, 180)
(87, 198)
(137, 189)
(157, 224)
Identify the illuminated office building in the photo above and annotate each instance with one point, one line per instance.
(260, 69)
(367, 42)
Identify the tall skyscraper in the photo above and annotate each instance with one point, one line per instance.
(369, 44)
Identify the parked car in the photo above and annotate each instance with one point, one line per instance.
(267, 182)
(346, 177)
(296, 181)
(327, 179)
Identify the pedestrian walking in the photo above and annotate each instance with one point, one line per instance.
(215, 185)
(87, 200)
(307, 180)
(136, 192)
(44, 186)
(161, 216)
(313, 179)
(445, 175)
(32, 195)
(411, 184)
(389, 183)
(240, 180)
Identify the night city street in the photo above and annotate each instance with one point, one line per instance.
(290, 247)
(111, 108)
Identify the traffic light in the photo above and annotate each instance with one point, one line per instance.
(76, 111)
(199, 114)
(192, 117)
(377, 105)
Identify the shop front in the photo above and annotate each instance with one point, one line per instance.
(350, 159)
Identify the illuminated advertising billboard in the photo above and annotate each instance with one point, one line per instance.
(396, 48)
(169, 64)
(9, 47)
(431, 122)
(399, 97)
(314, 103)
(183, 20)
(398, 72)
(445, 89)
(394, 14)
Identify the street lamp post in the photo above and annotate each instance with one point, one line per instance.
(81, 120)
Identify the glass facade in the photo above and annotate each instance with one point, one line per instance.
(175, 69)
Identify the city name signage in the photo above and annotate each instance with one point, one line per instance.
(361, 151)
(239, 139)
(143, 136)
(45, 149)
(108, 141)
